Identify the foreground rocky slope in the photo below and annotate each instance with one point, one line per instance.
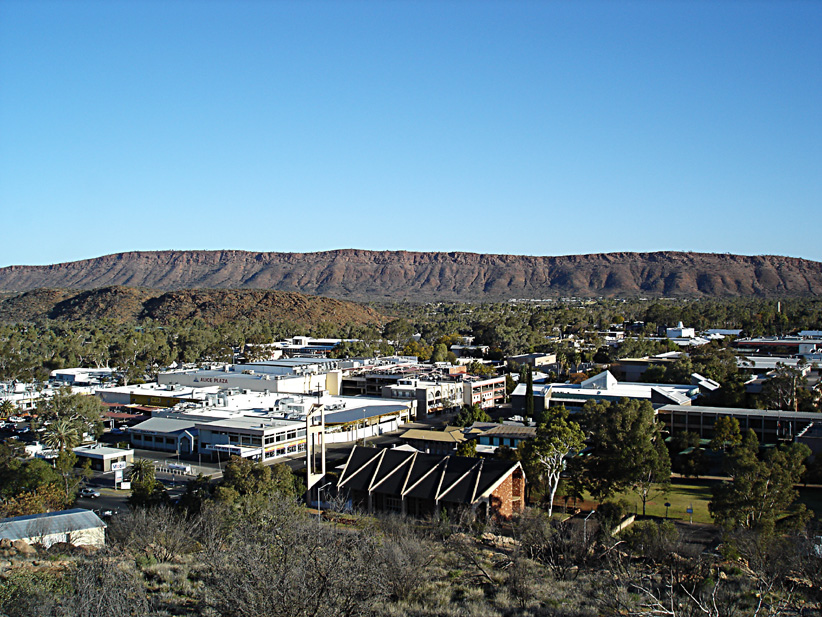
(397, 275)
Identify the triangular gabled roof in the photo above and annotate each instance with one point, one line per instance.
(603, 381)
(454, 479)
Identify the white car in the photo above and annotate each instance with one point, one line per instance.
(90, 493)
(16, 419)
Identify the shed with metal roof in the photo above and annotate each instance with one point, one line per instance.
(78, 527)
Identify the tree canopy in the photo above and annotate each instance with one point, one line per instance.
(627, 449)
(762, 489)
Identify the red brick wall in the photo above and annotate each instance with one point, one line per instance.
(508, 498)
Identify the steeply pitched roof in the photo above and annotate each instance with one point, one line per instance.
(453, 479)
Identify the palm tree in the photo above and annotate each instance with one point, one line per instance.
(61, 435)
(142, 471)
(7, 408)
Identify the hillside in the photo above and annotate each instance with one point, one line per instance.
(397, 275)
(122, 304)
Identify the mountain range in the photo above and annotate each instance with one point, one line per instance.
(380, 276)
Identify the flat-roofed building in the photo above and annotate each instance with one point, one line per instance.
(510, 435)
(770, 426)
(167, 434)
(102, 457)
(604, 387)
(246, 419)
(485, 392)
(786, 345)
(533, 359)
(81, 376)
(153, 395)
(260, 439)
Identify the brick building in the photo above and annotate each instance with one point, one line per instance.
(419, 484)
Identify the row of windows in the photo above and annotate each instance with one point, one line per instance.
(499, 441)
(290, 449)
(287, 436)
(153, 438)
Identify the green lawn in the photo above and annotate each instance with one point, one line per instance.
(686, 493)
(682, 494)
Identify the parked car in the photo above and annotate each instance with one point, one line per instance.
(16, 419)
(89, 492)
(21, 429)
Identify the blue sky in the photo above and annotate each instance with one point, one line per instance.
(538, 128)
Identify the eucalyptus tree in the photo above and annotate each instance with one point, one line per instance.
(556, 439)
(627, 449)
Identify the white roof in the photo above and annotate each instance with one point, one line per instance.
(102, 452)
(153, 389)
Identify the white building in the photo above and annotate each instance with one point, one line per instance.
(102, 457)
(77, 527)
(286, 375)
(680, 332)
(264, 425)
(25, 395)
(81, 376)
(154, 395)
(605, 387)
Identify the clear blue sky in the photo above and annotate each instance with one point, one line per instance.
(540, 128)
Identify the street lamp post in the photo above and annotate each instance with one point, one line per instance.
(320, 501)
(585, 527)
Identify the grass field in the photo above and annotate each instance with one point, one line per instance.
(683, 494)
(696, 494)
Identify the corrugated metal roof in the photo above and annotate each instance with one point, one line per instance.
(505, 430)
(165, 425)
(49, 523)
(360, 413)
